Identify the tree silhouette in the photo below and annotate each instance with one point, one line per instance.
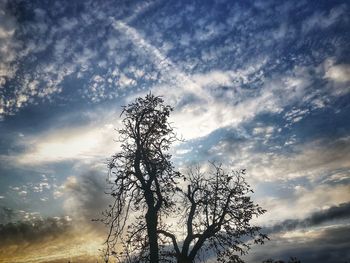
(143, 178)
(217, 214)
(214, 206)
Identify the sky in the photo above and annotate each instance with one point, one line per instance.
(262, 85)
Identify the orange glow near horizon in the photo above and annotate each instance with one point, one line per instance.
(70, 247)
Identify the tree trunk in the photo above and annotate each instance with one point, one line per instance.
(151, 220)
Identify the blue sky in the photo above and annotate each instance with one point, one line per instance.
(262, 85)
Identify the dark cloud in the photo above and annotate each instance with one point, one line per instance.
(6, 215)
(86, 197)
(339, 212)
(34, 230)
(330, 245)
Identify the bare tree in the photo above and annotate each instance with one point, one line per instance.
(214, 207)
(217, 216)
(144, 181)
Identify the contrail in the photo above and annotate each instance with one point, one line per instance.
(163, 64)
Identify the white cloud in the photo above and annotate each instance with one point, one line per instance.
(213, 78)
(125, 81)
(266, 130)
(40, 187)
(22, 193)
(13, 49)
(84, 143)
(57, 194)
(295, 115)
(338, 73)
(208, 115)
(237, 105)
(303, 202)
(337, 177)
(313, 160)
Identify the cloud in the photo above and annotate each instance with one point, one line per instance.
(338, 73)
(207, 113)
(6, 215)
(301, 202)
(321, 236)
(185, 73)
(328, 245)
(8, 49)
(321, 20)
(214, 78)
(307, 177)
(85, 197)
(23, 193)
(312, 159)
(338, 212)
(221, 101)
(82, 143)
(8, 25)
(33, 230)
(21, 89)
(66, 238)
(170, 71)
(270, 155)
(218, 97)
(48, 240)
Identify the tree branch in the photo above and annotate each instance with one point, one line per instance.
(172, 237)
